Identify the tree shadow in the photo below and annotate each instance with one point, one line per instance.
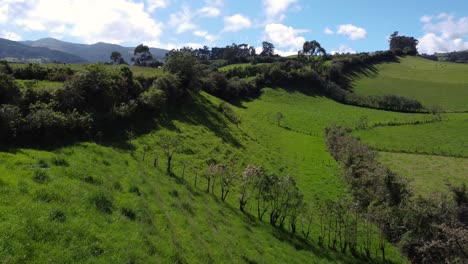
(198, 110)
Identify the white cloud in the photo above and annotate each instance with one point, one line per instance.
(275, 9)
(209, 11)
(426, 19)
(155, 4)
(204, 34)
(10, 35)
(328, 31)
(182, 20)
(445, 34)
(285, 37)
(343, 49)
(352, 31)
(236, 22)
(7, 7)
(108, 20)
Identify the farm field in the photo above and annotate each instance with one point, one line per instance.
(128, 210)
(137, 70)
(446, 138)
(429, 175)
(433, 83)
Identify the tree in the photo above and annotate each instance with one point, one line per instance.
(184, 65)
(250, 174)
(313, 48)
(9, 91)
(153, 98)
(141, 49)
(268, 49)
(227, 180)
(142, 56)
(403, 45)
(169, 144)
(116, 58)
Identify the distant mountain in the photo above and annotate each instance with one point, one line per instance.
(15, 51)
(99, 52)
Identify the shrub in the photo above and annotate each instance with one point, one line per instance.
(153, 98)
(11, 120)
(9, 91)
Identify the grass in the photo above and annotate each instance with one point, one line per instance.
(137, 70)
(46, 85)
(428, 174)
(239, 65)
(103, 203)
(447, 138)
(442, 84)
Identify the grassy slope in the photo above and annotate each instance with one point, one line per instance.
(433, 83)
(428, 174)
(175, 221)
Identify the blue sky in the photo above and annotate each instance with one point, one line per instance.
(340, 25)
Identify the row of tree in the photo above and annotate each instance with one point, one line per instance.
(343, 226)
(427, 230)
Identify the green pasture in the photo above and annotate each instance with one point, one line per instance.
(103, 203)
(433, 83)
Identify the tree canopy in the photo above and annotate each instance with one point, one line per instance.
(403, 44)
(268, 49)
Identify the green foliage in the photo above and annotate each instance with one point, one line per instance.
(403, 45)
(165, 227)
(9, 91)
(153, 98)
(268, 49)
(185, 66)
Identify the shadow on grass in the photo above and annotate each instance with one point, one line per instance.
(200, 111)
(194, 109)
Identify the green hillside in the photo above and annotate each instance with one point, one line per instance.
(433, 83)
(103, 203)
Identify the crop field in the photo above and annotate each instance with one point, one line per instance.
(123, 208)
(441, 84)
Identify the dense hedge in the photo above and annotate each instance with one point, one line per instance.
(427, 230)
(92, 101)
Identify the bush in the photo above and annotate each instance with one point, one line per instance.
(11, 120)
(9, 91)
(153, 98)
